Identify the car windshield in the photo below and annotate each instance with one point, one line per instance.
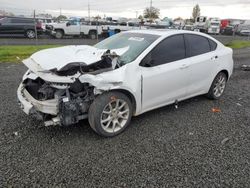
(135, 42)
(215, 24)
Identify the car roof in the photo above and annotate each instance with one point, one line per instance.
(166, 32)
(169, 32)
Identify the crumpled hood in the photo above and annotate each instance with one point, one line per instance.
(57, 58)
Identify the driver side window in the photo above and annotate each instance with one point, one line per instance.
(169, 50)
(73, 22)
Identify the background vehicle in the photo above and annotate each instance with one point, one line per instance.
(188, 27)
(212, 26)
(45, 21)
(244, 26)
(229, 26)
(124, 26)
(123, 76)
(200, 23)
(16, 25)
(74, 28)
(207, 25)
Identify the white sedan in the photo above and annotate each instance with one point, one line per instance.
(123, 76)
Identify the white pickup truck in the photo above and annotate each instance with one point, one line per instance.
(124, 26)
(74, 28)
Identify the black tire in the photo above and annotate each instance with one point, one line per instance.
(59, 34)
(92, 34)
(212, 94)
(117, 31)
(31, 34)
(97, 108)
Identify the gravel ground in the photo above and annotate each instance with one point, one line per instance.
(186, 147)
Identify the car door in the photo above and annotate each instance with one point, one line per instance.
(164, 73)
(203, 63)
(73, 28)
(16, 26)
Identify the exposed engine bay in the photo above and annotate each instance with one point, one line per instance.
(73, 99)
(73, 95)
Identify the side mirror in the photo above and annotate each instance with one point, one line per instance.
(67, 24)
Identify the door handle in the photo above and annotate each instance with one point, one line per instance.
(214, 58)
(184, 66)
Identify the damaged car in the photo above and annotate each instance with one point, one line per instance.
(123, 76)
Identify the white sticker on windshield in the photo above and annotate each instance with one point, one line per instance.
(139, 39)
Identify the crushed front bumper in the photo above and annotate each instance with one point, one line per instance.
(30, 105)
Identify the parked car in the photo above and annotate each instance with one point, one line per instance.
(245, 32)
(125, 75)
(229, 30)
(230, 26)
(123, 26)
(15, 25)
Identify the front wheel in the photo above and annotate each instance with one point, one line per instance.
(218, 86)
(110, 114)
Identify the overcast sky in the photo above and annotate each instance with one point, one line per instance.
(128, 8)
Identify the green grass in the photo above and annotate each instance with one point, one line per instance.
(238, 44)
(10, 53)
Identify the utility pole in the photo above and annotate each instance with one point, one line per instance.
(136, 14)
(89, 11)
(60, 11)
(151, 3)
(35, 25)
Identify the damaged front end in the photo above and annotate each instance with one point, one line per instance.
(60, 95)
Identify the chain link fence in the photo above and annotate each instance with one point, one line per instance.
(36, 28)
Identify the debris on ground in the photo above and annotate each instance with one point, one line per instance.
(245, 67)
(176, 104)
(238, 104)
(224, 141)
(15, 133)
(216, 110)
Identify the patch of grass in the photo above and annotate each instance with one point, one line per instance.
(238, 44)
(10, 53)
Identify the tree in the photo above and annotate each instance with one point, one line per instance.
(98, 17)
(196, 12)
(140, 17)
(151, 13)
(4, 13)
(61, 17)
(178, 19)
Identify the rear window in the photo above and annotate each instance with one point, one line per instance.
(213, 45)
(197, 44)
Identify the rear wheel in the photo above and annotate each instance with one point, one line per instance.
(110, 114)
(59, 34)
(92, 35)
(218, 86)
(117, 31)
(30, 34)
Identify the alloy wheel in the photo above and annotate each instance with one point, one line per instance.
(115, 116)
(219, 86)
